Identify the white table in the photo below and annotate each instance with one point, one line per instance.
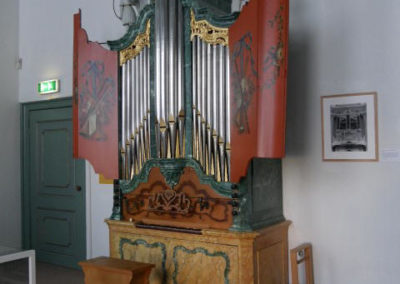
(10, 254)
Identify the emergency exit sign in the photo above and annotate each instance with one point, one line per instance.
(48, 87)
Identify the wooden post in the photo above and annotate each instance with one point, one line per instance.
(298, 255)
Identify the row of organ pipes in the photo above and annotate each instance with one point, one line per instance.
(211, 107)
(169, 95)
(210, 98)
(135, 117)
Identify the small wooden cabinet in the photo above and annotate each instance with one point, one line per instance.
(105, 270)
(211, 256)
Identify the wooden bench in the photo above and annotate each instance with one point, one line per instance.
(106, 270)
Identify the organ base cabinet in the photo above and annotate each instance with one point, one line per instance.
(205, 256)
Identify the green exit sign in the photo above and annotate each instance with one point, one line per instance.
(48, 87)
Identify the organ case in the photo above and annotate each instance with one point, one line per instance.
(201, 112)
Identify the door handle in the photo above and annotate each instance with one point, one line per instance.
(78, 188)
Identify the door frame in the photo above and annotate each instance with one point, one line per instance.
(25, 110)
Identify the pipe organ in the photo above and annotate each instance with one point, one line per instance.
(199, 105)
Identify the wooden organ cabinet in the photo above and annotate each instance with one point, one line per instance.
(186, 113)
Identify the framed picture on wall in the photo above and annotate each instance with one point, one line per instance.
(349, 127)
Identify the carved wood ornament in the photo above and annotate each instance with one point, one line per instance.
(207, 32)
(136, 47)
(188, 204)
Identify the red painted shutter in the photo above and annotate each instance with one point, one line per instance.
(95, 103)
(258, 43)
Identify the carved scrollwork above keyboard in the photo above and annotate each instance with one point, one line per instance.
(188, 202)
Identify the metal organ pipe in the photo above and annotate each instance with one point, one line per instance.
(221, 91)
(163, 39)
(221, 111)
(194, 97)
(134, 118)
(158, 74)
(214, 89)
(180, 102)
(171, 60)
(198, 100)
(123, 122)
(227, 114)
(163, 106)
(142, 111)
(203, 102)
(136, 114)
(172, 94)
(139, 99)
(144, 103)
(209, 110)
(148, 99)
(215, 126)
(128, 120)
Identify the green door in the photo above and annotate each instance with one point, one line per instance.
(54, 185)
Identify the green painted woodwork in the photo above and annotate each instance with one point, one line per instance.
(261, 202)
(54, 220)
(214, 7)
(172, 175)
(117, 198)
(222, 20)
(137, 242)
(203, 251)
(241, 221)
(153, 147)
(137, 28)
(187, 45)
(224, 6)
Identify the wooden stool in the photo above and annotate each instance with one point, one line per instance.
(106, 270)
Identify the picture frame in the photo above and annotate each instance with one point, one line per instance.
(349, 125)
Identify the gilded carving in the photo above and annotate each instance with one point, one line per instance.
(207, 32)
(136, 47)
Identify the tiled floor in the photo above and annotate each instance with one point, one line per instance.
(16, 272)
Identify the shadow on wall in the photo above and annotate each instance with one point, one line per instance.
(298, 94)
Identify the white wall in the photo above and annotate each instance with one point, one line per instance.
(348, 210)
(99, 202)
(46, 41)
(10, 205)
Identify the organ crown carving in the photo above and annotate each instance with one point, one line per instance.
(207, 32)
(136, 47)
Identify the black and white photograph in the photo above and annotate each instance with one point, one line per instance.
(349, 130)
